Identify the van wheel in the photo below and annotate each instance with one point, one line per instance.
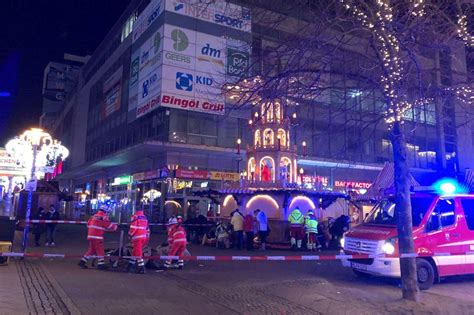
(425, 274)
(361, 274)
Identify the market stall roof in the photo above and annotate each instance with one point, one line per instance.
(383, 183)
(253, 190)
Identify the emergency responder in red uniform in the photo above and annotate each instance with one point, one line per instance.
(296, 220)
(96, 226)
(139, 234)
(177, 242)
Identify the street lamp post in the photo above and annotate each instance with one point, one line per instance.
(34, 149)
(301, 175)
(239, 158)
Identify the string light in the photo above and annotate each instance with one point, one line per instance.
(418, 8)
(463, 32)
(389, 49)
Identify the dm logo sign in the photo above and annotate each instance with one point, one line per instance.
(237, 62)
(184, 81)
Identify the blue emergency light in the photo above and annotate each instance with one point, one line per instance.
(448, 186)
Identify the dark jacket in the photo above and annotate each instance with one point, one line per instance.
(40, 227)
(52, 216)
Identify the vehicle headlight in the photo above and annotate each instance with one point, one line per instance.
(388, 248)
(342, 241)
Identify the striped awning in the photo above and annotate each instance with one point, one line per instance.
(383, 183)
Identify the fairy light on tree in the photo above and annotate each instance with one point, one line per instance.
(463, 32)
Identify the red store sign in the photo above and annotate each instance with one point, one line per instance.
(192, 174)
(356, 185)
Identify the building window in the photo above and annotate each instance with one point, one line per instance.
(127, 28)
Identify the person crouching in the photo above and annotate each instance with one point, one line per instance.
(139, 234)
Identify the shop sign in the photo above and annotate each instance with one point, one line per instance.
(227, 176)
(122, 180)
(181, 184)
(151, 174)
(356, 185)
(323, 180)
(139, 176)
(9, 164)
(192, 174)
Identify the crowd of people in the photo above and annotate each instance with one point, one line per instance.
(242, 231)
(238, 231)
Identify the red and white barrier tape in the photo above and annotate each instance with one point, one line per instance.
(240, 258)
(85, 222)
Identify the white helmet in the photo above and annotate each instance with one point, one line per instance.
(172, 221)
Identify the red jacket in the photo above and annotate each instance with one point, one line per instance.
(98, 224)
(139, 227)
(248, 223)
(176, 234)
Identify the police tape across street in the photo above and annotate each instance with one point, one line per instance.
(85, 222)
(235, 258)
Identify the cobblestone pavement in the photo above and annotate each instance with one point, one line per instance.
(12, 299)
(60, 287)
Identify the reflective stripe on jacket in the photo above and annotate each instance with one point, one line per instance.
(97, 225)
(139, 227)
(177, 235)
(296, 218)
(311, 225)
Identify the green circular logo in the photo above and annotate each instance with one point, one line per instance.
(180, 40)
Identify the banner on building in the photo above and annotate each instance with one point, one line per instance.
(112, 94)
(218, 12)
(183, 68)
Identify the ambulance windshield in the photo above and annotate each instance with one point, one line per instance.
(384, 211)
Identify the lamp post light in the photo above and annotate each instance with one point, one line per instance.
(239, 158)
(304, 148)
(301, 175)
(34, 149)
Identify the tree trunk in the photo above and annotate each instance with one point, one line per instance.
(403, 212)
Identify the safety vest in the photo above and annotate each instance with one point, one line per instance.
(139, 226)
(296, 218)
(97, 225)
(311, 225)
(177, 235)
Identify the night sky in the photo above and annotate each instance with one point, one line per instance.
(34, 32)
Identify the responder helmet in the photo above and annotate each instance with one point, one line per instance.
(179, 219)
(172, 221)
(107, 206)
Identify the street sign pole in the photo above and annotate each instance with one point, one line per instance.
(26, 229)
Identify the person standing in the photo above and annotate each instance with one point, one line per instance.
(139, 233)
(177, 241)
(249, 226)
(296, 220)
(96, 227)
(52, 214)
(262, 226)
(311, 227)
(237, 222)
(39, 228)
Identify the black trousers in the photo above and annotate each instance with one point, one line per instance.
(238, 239)
(249, 240)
